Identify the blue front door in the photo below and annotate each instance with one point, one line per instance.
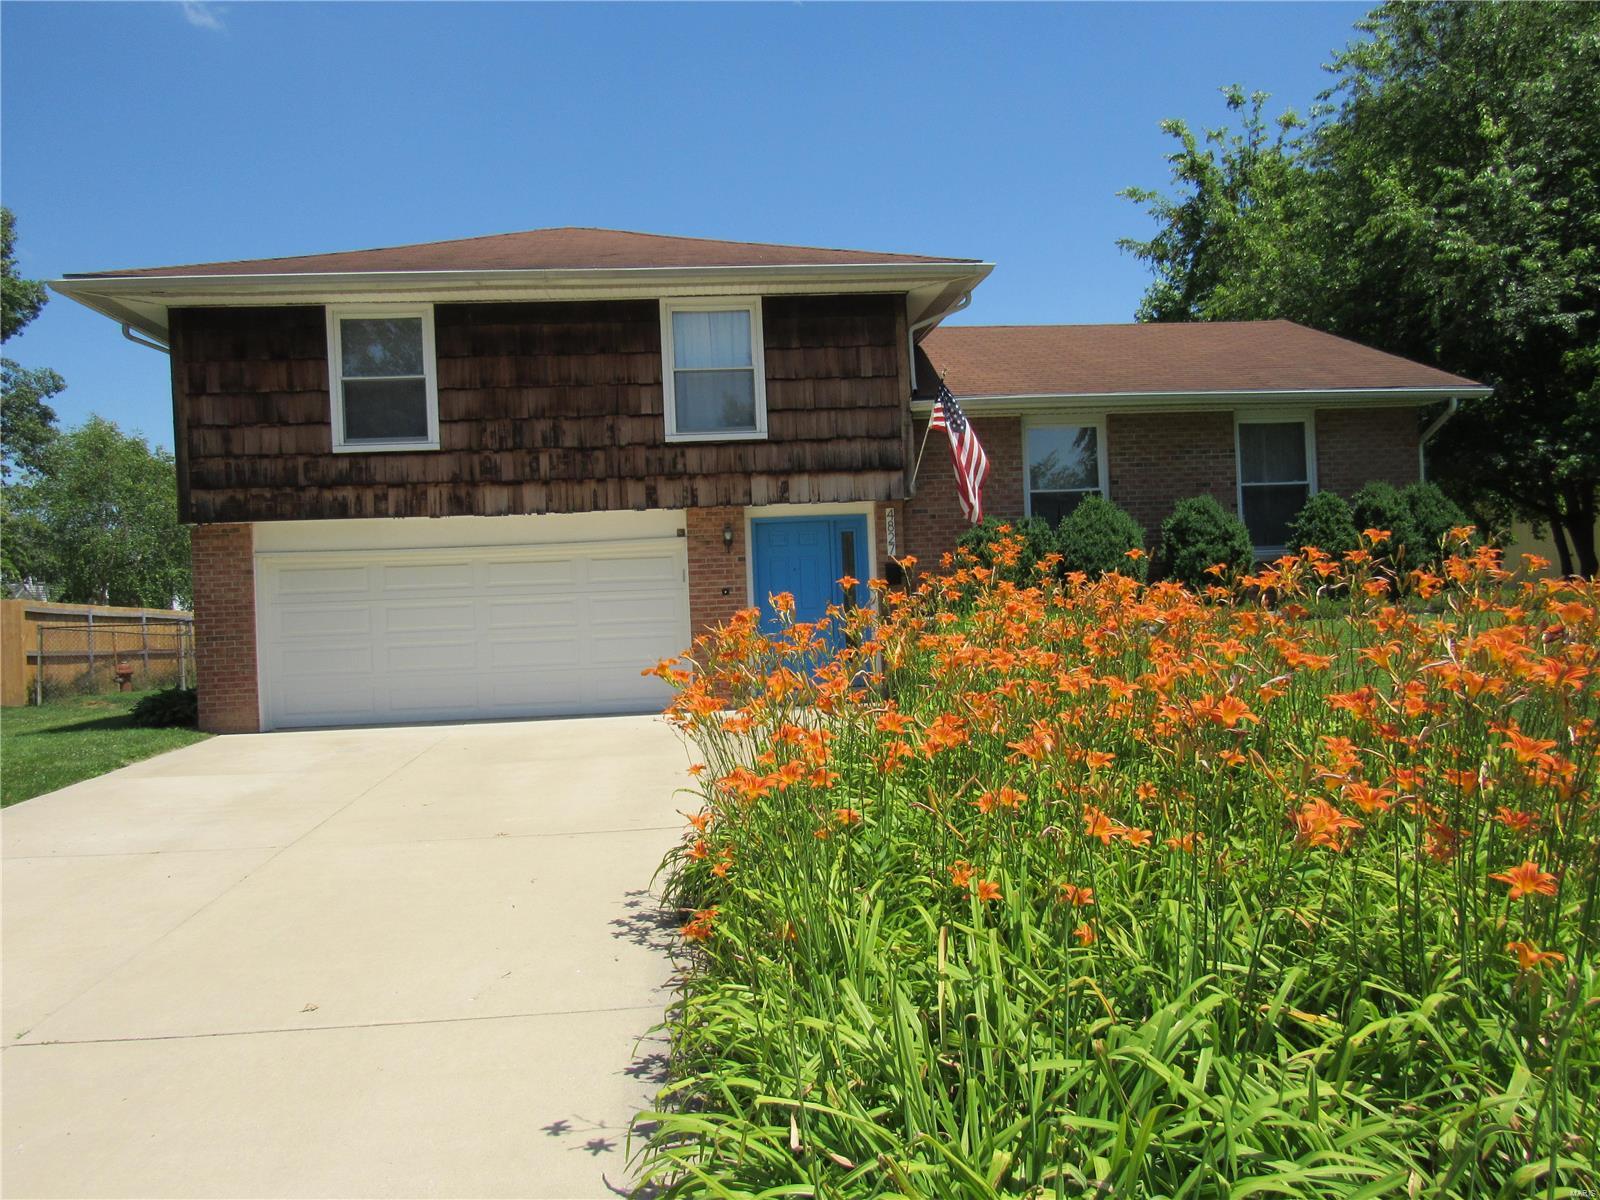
(806, 557)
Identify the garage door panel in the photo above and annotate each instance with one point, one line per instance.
(492, 632)
(653, 609)
(321, 661)
(552, 573)
(616, 689)
(329, 703)
(427, 575)
(306, 622)
(309, 581)
(429, 618)
(560, 613)
(553, 653)
(632, 653)
(657, 569)
(432, 699)
(457, 655)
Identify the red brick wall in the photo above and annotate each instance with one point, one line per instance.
(225, 627)
(718, 585)
(933, 519)
(1157, 459)
(1356, 446)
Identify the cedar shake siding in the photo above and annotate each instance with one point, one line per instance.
(1155, 460)
(551, 407)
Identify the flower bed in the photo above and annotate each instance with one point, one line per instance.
(1104, 889)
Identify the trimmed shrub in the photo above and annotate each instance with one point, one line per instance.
(1433, 515)
(173, 708)
(1038, 541)
(1095, 538)
(1325, 522)
(1199, 534)
(1381, 506)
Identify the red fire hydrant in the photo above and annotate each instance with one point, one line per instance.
(124, 677)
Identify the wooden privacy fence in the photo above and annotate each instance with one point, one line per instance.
(74, 649)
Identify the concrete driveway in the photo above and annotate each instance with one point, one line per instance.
(387, 962)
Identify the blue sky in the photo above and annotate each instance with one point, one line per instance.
(144, 134)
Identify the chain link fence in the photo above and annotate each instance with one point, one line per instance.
(80, 653)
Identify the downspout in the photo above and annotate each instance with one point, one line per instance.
(911, 334)
(1451, 406)
(139, 341)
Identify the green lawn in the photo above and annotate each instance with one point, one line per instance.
(55, 744)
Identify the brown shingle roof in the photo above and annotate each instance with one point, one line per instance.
(1218, 356)
(541, 249)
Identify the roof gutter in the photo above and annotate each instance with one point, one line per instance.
(911, 334)
(128, 333)
(1452, 406)
(1021, 405)
(141, 301)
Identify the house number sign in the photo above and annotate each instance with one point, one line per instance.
(888, 533)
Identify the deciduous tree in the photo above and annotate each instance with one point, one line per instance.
(1442, 203)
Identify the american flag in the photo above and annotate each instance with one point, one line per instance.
(971, 463)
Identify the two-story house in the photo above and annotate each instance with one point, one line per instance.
(496, 477)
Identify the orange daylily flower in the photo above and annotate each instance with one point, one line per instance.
(1515, 819)
(1096, 824)
(1085, 934)
(1530, 957)
(1367, 798)
(987, 890)
(699, 927)
(1005, 797)
(1526, 879)
(960, 873)
(891, 721)
(847, 816)
(1321, 824)
(1229, 711)
(1099, 758)
(1527, 749)
(1078, 897)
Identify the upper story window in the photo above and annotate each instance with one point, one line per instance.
(382, 376)
(1276, 475)
(1064, 466)
(713, 373)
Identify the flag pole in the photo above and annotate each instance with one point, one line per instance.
(917, 470)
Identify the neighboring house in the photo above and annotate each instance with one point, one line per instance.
(496, 477)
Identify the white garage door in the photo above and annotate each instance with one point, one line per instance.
(351, 637)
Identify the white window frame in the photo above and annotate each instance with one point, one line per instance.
(430, 372)
(1102, 466)
(758, 363)
(1307, 420)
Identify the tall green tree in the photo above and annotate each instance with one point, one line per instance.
(20, 299)
(27, 422)
(1443, 203)
(99, 522)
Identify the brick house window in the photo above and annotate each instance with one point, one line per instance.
(713, 372)
(382, 378)
(1065, 463)
(1276, 475)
